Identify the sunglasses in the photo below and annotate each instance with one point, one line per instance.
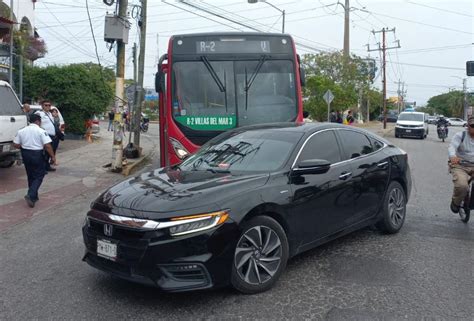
(47, 105)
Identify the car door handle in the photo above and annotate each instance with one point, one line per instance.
(12, 119)
(345, 176)
(382, 165)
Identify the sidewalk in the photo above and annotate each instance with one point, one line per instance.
(80, 170)
(377, 128)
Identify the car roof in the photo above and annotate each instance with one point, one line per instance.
(306, 128)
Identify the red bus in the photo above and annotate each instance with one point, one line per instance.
(212, 82)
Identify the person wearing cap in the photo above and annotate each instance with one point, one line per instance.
(33, 141)
(47, 123)
(461, 160)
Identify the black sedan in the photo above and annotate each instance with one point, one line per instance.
(245, 203)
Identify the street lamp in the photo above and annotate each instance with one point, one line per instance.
(271, 5)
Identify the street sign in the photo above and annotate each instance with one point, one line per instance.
(328, 96)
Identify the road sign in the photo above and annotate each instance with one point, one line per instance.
(328, 96)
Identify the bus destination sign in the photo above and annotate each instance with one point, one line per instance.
(208, 122)
(227, 47)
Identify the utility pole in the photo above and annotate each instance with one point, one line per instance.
(141, 71)
(10, 69)
(117, 149)
(384, 48)
(346, 50)
(135, 94)
(465, 104)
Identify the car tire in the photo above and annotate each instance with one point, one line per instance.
(6, 164)
(257, 265)
(393, 211)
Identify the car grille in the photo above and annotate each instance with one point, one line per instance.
(131, 244)
(410, 126)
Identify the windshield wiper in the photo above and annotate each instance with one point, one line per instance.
(216, 78)
(249, 82)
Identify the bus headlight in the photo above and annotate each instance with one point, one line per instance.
(179, 149)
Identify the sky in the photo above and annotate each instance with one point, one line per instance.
(436, 37)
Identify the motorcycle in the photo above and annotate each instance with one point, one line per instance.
(144, 125)
(442, 132)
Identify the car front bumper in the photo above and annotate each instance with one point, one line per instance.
(190, 262)
(409, 132)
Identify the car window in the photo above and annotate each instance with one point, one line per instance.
(323, 145)
(376, 144)
(9, 104)
(355, 144)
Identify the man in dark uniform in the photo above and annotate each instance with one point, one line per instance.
(34, 141)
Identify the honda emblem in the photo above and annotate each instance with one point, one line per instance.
(108, 230)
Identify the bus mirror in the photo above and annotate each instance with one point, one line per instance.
(158, 82)
(305, 114)
(302, 77)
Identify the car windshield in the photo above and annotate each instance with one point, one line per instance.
(248, 151)
(9, 104)
(410, 116)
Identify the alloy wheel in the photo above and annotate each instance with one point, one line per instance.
(258, 255)
(396, 207)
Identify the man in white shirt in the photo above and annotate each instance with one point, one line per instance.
(33, 141)
(47, 123)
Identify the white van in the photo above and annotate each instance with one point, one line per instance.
(412, 124)
(12, 119)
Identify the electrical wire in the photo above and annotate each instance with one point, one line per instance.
(440, 9)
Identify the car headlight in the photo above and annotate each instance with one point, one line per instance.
(179, 149)
(195, 223)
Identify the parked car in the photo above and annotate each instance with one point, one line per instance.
(391, 118)
(246, 202)
(12, 119)
(456, 122)
(412, 124)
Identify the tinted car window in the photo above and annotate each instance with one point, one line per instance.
(9, 104)
(355, 144)
(376, 144)
(246, 151)
(322, 146)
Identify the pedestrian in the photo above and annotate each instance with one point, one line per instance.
(338, 117)
(34, 142)
(332, 116)
(57, 122)
(111, 120)
(54, 132)
(27, 110)
(349, 118)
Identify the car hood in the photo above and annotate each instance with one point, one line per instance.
(410, 122)
(165, 193)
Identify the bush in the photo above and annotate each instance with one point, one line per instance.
(79, 90)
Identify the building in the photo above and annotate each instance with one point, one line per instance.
(23, 20)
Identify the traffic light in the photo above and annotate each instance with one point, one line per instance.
(470, 68)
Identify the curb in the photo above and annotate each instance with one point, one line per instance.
(133, 166)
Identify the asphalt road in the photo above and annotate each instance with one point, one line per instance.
(424, 272)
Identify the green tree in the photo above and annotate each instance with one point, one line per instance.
(79, 90)
(449, 104)
(345, 79)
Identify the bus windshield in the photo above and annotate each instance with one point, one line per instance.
(220, 95)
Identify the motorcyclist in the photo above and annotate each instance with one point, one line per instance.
(461, 161)
(442, 121)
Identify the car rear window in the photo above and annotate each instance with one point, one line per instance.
(9, 104)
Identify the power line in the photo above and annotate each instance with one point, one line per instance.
(427, 66)
(440, 9)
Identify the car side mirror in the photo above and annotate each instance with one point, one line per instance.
(311, 166)
(159, 82)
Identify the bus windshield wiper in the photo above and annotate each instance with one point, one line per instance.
(213, 73)
(249, 82)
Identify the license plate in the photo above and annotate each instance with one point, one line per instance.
(6, 148)
(107, 249)
(408, 130)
